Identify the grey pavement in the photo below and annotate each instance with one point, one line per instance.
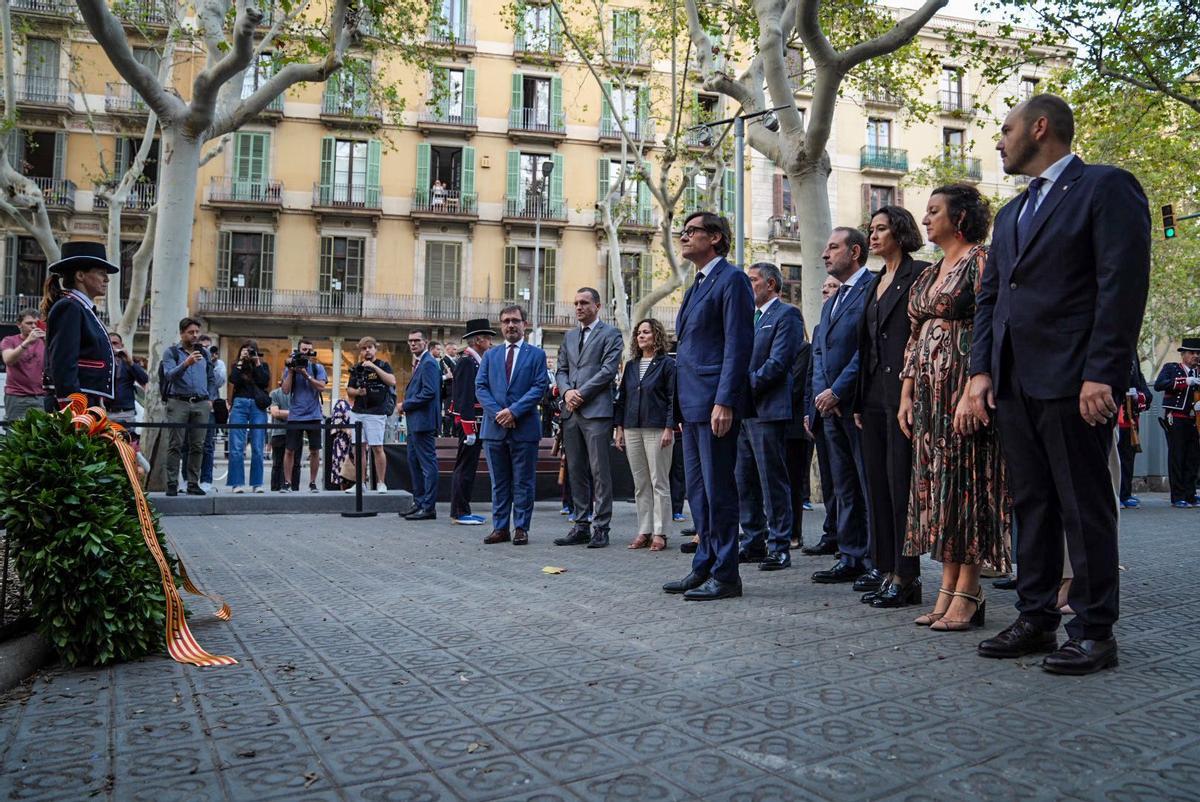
(386, 660)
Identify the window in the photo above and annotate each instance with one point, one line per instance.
(537, 26)
(531, 172)
(635, 275)
(348, 91)
(257, 74)
(625, 103)
(443, 266)
(126, 154)
(445, 179)
(954, 142)
(626, 36)
(454, 92)
(880, 196)
(792, 283)
(148, 57)
(518, 277)
(349, 171)
(26, 268)
(952, 85)
(41, 70)
(246, 267)
(452, 19)
(628, 179)
(451, 97)
(879, 133)
(250, 163)
(445, 167)
(128, 249)
(783, 197)
(42, 154)
(1028, 88)
(536, 102)
(341, 278)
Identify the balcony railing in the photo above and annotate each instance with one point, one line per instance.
(628, 213)
(274, 107)
(537, 43)
(435, 200)
(968, 167)
(630, 53)
(140, 198)
(441, 33)
(881, 97)
(40, 90)
(228, 189)
(783, 228)
(11, 305)
(349, 106)
(151, 13)
(56, 8)
(957, 103)
(58, 193)
(335, 196)
(872, 157)
(530, 207)
(538, 120)
(121, 98)
(448, 113)
(640, 130)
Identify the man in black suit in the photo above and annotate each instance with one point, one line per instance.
(1058, 316)
(816, 429)
(1138, 399)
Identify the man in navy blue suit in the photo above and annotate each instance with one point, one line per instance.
(1056, 325)
(422, 408)
(716, 332)
(511, 381)
(764, 489)
(835, 377)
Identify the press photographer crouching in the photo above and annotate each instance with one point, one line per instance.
(372, 385)
(304, 378)
(251, 380)
(129, 375)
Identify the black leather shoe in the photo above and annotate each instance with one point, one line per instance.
(1080, 656)
(410, 511)
(172, 491)
(1019, 639)
(821, 549)
(872, 595)
(422, 515)
(870, 581)
(692, 580)
(776, 562)
(195, 490)
(599, 539)
(898, 594)
(689, 532)
(688, 546)
(714, 589)
(754, 554)
(580, 535)
(842, 571)
(1007, 583)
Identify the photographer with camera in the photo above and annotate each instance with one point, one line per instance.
(187, 380)
(250, 401)
(372, 385)
(219, 417)
(304, 378)
(129, 375)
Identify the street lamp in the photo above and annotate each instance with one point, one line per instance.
(537, 189)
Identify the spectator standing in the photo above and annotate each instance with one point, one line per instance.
(190, 385)
(645, 429)
(1138, 399)
(372, 385)
(422, 413)
(129, 376)
(467, 412)
(24, 356)
(250, 401)
(814, 425)
(304, 378)
(220, 412)
(510, 382)
(587, 367)
(278, 412)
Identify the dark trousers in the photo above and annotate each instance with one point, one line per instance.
(587, 442)
(764, 492)
(1059, 480)
(887, 464)
(278, 448)
(462, 481)
(1183, 459)
(845, 465)
(678, 484)
(711, 465)
(798, 456)
(422, 468)
(829, 525)
(1127, 456)
(512, 466)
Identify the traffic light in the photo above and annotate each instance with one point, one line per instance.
(1168, 213)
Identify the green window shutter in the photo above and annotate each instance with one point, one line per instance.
(325, 280)
(691, 197)
(602, 180)
(643, 112)
(728, 193)
(60, 154)
(510, 273)
(267, 263)
(555, 33)
(121, 157)
(421, 193)
(469, 97)
(326, 187)
(374, 157)
(512, 187)
(606, 114)
(249, 163)
(517, 115)
(647, 272)
(332, 93)
(468, 179)
(461, 28)
(643, 195)
(10, 261)
(223, 248)
(556, 107)
(546, 293)
(16, 149)
(556, 183)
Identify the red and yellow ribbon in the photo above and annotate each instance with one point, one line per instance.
(181, 644)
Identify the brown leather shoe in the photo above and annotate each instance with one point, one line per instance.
(520, 537)
(497, 536)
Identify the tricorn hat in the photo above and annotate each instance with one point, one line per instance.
(479, 326)
(1190, 344)
(82, 256)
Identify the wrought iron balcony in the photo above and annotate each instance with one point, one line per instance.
(39, 90)
(888, 160)
(537, 44)
(148, 13)
(121, 98)
(537, 121)
(49, 8)
(881, 97)
(786, 228)
(458, 36)
(356, 106)
(229, 190)
(11, 306)
(957, 103)
(530, 207)
(966, 167)
(630, 53)
(640, 130)
(347, 198)
(446, 113)
(437, 202)
(141, 197)
(58, 193)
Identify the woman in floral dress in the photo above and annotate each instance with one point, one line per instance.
(958, 507)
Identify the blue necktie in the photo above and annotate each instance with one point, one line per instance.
(1025, 223)
(841, 293)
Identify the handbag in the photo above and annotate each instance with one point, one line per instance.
(261, 399)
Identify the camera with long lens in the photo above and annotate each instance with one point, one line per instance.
(360, 373)
(297, 359)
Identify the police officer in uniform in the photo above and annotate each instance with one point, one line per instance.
(467, 418)
(79, 356)
(1179, 382)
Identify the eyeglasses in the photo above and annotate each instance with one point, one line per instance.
(692, 231)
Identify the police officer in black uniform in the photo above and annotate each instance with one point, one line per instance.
(79, 356)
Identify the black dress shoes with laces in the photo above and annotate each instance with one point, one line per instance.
(871, 580)
(842, 571)
(776, 562)
(819, 550)
(872, 595)
(898, 594)
(580, 535)
(692, 580)
(714, 589)
(1079, 656)
(422, 515)
(1019, 639)
(599, 539)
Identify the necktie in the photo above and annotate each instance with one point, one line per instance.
(508, 360)
(699, 278)
(1025, 223)
(757, 317)
(583, 336)
(837, 300)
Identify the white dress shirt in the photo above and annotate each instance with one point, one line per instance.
(1050, 176)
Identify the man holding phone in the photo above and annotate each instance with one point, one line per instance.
(24, 356)
(189, 384)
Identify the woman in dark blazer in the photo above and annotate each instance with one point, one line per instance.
(886, 452)
(645, 416)
(79, 356)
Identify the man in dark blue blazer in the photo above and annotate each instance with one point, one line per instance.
(422, 408)
(764, 489)
(715, 330)
(511, 381)
(835, 380)
(1057, 321)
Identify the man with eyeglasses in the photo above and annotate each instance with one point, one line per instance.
(716, 332)
(422, 415)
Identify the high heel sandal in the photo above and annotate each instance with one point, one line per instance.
(929, 619)
(961, 626)
(658, 543)
(639, 542)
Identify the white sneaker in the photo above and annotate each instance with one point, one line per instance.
(207, 487)
(239, 489)
(381, 488)
(349, 490)
(258, 488)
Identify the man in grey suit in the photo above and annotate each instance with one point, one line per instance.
(587, 365)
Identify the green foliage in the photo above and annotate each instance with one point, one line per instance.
(71, 517)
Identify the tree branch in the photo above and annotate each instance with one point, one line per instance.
(895, 38)
(208, 83)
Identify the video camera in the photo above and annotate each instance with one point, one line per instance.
(297, 359)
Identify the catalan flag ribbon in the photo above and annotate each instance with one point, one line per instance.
(181, 644)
